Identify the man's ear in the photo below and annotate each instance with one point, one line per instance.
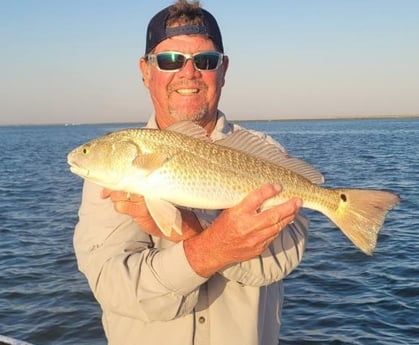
(145, 71)
(224, 67)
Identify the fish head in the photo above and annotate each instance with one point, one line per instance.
(105, 160)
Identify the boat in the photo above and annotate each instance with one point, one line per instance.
(11, 341)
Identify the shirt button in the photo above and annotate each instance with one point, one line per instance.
(201, 319)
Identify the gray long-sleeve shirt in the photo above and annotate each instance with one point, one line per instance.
(150, 295)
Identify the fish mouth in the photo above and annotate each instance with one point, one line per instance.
(75, 169)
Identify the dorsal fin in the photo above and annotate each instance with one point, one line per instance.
(191, 129)
(250, 143)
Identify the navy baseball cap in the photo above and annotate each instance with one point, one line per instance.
(157, 31)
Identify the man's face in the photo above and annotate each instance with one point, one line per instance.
(188, 94)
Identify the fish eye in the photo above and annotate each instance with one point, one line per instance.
(85, 150)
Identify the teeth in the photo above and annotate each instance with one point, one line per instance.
(187, 91)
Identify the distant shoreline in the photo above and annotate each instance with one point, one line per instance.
(320, 118)
(335, 117)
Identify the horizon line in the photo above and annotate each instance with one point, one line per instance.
(287, 118)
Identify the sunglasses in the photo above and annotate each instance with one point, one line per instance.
(172, 61)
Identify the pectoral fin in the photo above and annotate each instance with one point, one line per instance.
(150, 162)
(166, 215)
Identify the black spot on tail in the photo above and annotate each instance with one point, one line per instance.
(343, 197)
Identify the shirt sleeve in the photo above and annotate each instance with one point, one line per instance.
(126, 272)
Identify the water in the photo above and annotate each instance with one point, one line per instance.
(336, 296)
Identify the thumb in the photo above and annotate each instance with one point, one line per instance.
(106, 193)
(255, 200)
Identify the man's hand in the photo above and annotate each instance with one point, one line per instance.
(240, 233)
(134, 206)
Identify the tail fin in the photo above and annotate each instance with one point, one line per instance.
(361, 213)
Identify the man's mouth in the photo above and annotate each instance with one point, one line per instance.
(186, 92)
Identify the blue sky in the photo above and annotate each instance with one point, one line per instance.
(76, 61)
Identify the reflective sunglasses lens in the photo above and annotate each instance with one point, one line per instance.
(170, 61)
(207, 61)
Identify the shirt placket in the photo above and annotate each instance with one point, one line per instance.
(202, 321)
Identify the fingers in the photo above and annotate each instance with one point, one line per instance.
(105, 193)
(134, 206)
(281, 214)
(126, 203)
(120, 196)
(240, 233)
(246, 217)
(268, 224)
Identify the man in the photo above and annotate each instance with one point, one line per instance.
(220, 281)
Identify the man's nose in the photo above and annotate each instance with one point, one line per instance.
(189, 68)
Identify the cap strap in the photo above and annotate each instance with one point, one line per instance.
(186, 30)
